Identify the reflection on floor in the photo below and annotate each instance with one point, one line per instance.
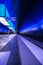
(19, 50)
(4, 39)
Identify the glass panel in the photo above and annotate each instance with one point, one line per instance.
(2, 10)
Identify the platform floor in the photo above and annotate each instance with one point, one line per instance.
(20, 50)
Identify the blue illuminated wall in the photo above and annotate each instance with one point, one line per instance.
(34, 17)
(6, 11)
(3, 28)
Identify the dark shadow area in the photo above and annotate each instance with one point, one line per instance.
(34, 41)
(37, 35)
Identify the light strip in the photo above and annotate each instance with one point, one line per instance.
(3, 21)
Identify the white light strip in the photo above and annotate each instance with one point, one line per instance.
(3, 21)
(11, 29)
(38, 52)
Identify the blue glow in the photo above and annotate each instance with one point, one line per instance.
(7, 14)
(9, 21)
(37, 26)
(3, 28)
(2, 10)
(34, 17)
